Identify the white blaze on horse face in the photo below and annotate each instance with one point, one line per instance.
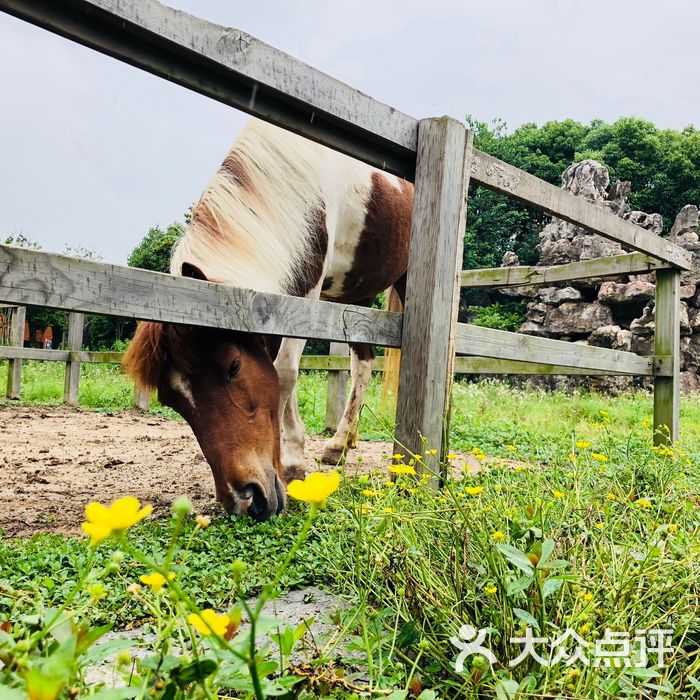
(181, 384)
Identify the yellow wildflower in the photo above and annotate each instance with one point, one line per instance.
(431, 452)
(643, 503)
(583, 444)
(402, 469)
(588, 597)
(473, 490)
(646, 422)
(599, 457)
(673, 528)
(490, 589)
(316, 488)
(418, 457)
(517, 468)
(389, 510)
(512, 448)
(558, 494)
(203, 521)
(155, 580)
(398, 457)
(208, 622)
(497, 535)
(389, 484)
(101, 521)
(371, 493)
(451, 456)
(611, 497)
(584, 629)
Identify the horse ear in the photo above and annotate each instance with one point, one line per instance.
(189, 270)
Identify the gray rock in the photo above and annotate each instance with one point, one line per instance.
(573, 318)
(510, 259)
(644, 325)
(635, 292)
(558, 295)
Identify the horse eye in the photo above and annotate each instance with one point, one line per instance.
(234, 369)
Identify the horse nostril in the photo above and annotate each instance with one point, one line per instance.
(258, 509)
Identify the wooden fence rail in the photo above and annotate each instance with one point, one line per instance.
(233, 67)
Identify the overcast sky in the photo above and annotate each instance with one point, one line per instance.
(93, 152)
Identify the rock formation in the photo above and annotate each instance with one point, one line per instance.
(610, 312)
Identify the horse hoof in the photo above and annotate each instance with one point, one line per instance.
(332, 455)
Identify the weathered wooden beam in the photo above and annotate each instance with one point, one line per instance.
(235, 68)
(667, 343)
(17, 320)
(75, 284)
(432, 284)
(503, 345)
(74, 341)
(336, 388)
(630, 263)
(490, 365)
(516, 183)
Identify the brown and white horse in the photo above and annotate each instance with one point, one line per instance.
(282, 215)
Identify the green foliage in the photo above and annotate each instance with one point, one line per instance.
(662, 164)
(503, 316)
(154, 251)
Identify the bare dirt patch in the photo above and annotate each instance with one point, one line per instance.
(55, 460)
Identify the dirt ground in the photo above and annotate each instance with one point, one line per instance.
(55, 460)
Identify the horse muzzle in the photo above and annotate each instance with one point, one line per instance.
(257, 499)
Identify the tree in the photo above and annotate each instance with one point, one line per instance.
(154, 251)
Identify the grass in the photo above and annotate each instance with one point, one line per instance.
(583, 537)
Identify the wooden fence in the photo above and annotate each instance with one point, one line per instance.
(437, 154)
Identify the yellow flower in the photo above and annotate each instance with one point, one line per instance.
(558, 494)
(204, 521)
(388, 510)
(402, 469)
(473, 490)
(480, 457)
(588, 597)
(490, 589)
(451, 456)
(155, 580)
(371, 493)
(389, 484)
(512, 448)
(209, 622)
(398, 457)
(101, 521)
(316, 488)
(517, 468)
(643, 503)
(584, 629)
(497, 535)
(583, 444)
(599, 457)
(673, 528)
(418, 457)
(611, 497)
(599, 526)
(431, 452)
(646, 422)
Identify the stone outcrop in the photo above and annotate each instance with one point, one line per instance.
(610, 312)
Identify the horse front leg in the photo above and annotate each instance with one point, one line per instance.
(361, 363)
(292, 429)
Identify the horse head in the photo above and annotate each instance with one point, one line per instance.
(225, 386)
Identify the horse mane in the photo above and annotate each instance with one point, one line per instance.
(153, 345)
(250, 227)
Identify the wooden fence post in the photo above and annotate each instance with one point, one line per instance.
(17, 320)
(74, 341)
(337, 389)
(432, 285)
(667, 342)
